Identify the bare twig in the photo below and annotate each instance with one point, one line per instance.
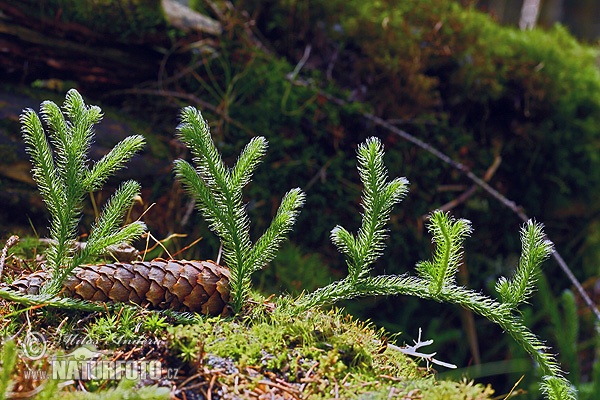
(413, 350)
(469, 192)
(13, 240)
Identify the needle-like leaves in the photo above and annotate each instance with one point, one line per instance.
(436, 278)
(557, 388)
(60, 169)
(218, 193)
(112, 162)
(379, 197)
(535, 249)
(448, 235)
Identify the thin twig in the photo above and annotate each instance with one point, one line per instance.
(469, 192)
(301, 63)
(13, 240)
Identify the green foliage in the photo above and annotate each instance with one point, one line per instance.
(61, 171)
(126, 389)
(437, 277)
(379, 196)
(116, 328)
(555, 388)
(155, 322)
(535, 250)
(441, 271)
(316, 350)
(218, 192)
(564, 319)
(590, 390)
(63, 180)
(118, 18)
(9, 359)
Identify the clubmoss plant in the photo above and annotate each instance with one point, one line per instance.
(436, 279)
(218, 192)
(64, 179)
(564, 320)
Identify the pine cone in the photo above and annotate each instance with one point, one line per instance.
(199, 286)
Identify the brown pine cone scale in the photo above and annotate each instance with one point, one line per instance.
(180, 285)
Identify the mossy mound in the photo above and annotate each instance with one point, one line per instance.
(322, 355)
(319, 356)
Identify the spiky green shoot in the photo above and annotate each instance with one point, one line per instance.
(378, 199)
(557, 388)
(436, 278)
(535, 249)
(63, 176)
(218, 192)
(441, 271)
(361, 251)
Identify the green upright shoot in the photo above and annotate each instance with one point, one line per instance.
(63, 175)
(449, 234)
(436, 278)
(379, 197)
(218, 192)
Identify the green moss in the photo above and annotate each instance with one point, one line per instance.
(324, 352)
(120, 18)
